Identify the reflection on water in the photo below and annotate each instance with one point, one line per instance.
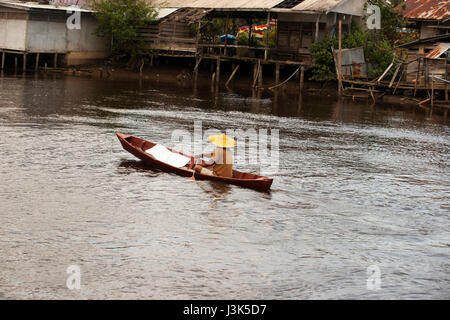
(357, 185)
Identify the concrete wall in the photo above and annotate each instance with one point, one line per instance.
(13, 34)
(46, 36)
(80, 45)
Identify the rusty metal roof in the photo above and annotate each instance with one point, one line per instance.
(425, 9)
(218, 4)
(440, 49)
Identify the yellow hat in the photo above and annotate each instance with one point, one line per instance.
(223, 141)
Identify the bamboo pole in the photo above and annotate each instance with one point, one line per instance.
(395, 74)
(399, 80)
(340, 58)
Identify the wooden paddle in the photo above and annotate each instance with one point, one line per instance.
(193, 173)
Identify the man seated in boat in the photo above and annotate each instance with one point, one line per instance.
(221, 163)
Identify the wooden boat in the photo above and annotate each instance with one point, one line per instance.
(138, 147)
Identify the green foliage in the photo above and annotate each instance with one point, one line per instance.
(324, 68)
(119, 21)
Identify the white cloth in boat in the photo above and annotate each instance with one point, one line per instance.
(163, 154)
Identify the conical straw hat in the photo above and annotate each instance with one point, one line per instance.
(223, 141)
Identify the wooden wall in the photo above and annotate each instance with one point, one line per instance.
(171, 36)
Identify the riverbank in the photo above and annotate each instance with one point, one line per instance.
(179, 73)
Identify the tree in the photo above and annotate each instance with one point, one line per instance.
(119, 21)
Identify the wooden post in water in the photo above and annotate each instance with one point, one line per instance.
(24, 65)
(260, 75)
(213, 82)
(302, 72)
(36, 65)
(266, 50)
(232, 75)
(3, 59)
(277, 73)
(432, 90)
(340, 58)
(226, 35)
(255, 74)
(218, 72)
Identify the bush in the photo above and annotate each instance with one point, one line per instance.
(119, 21)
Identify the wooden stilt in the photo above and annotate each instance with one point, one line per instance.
(417, 78)
(302, 72)
(266, 50)
(15, 63)
(24, 65)
(255, 73)
(3, 59)
(277, 73)
(45, 67)
(36, 65)
(213, 81)
(141, 68)
(226, 34)
(232, 75)
(260, 75)
(55, 60)
(316, 35)
(218, 71)
(197, 65)
(340, 58)
(432, 90)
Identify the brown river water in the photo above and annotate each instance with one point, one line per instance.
(356, 186)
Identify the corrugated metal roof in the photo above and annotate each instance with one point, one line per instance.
(438, 50)
(164, 12)
(218, 4)
(316, 5)
(343, 6)
(425, 9)
(35, 5)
